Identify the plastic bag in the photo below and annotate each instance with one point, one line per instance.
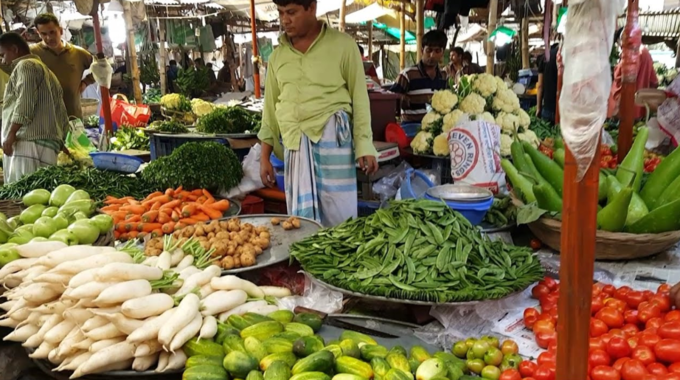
(668, 113)
(388, 186)
(315, 297)
(102, 72)
(251, 180)
(587, 78)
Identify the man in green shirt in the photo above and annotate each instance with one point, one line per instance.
(315, 85)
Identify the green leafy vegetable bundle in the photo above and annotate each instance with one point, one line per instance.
(128, 137)
(417, 250)
(227, 120)
(196, 165)
(169, 126)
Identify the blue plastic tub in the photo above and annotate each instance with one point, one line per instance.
(278, 168)
(415, 185)
(276, 163)
(472, 211)
(280, 183)
(411, 129)
(162, 145)
(116, 162)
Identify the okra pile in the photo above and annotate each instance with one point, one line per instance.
(417, 250)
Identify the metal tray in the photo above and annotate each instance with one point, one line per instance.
(278, 252)
(459, 193)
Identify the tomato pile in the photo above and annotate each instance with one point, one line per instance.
(608, 160)
(634, 335)
(652, 160)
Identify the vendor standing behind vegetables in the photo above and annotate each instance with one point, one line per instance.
(315, 83)
(34, 119)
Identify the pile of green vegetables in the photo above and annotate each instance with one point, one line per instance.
(97, 183)
(541, 127)
(229, 120)
(152, 96)
(168, 126)
(196, 165)
(502, 213)
(417, 250)
(627, 205)
(128, 137)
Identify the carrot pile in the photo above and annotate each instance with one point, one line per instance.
(162, 213)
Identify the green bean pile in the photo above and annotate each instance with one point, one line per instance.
(417, 250)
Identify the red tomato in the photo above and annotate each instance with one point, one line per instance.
(617, 332)
(606, 338)
(634, 298)
(670, 330)
(644, 354)
(602, 372)
(649, 339)
(674, 368)
(672, 376)
(610, 316)
(527, 368)
(535, 244)
(598, 357)
(596, 344)
(544, 372)
(663, 300)
(619, 363)
(545, 339)
(543, 326)
(609, 289)
(596, 304)
(510, 374)
(530, 317)
(546, 315)
(668, 350)
(633, 341)
(663, 288)
(633, 370)
(653, 323)
(546, 358)
(539, 290)
(630, 329)
(552, 346)
(551, 283)
(673, 315)
(647, 311)
(630, 316)
(597, 327)
(618, 347)
(649, 376)
(648, 294)
(616, 304)
(657, 369)
(622, 292)
(549, 300)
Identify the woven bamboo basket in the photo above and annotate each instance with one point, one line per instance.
(609, 245)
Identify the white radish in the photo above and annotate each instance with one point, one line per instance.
(94, 322)
(84, 344)
(164, 260)
(176, 257)
(233, 282)
(150, 329)
(222, 301)
(86, 303)
(9, 322)
(43, 351)
(205, 291)
(72, 253)
(102, 344)
(54, 278)
(124, 324)
(20, 314)
(33, 318)
(209, 328)
(147, 306)
(120, 352)
(16, 266)
(142, 363)
(162, 361)
(106, 310)
(127, 272)
(186, 262)
(185, 313)
(78, 316)
(22, 334)
(39, 249)
(83, 278)
(147, 348)
(76, 362)
(150, 261)
(124, 291)
(10, 283)
(7, 306)
(115, 366)
(53, 357)
(108, 331)
(240, 310)
(275, 291)
(264, 310)
(55, 307)
(184, 335)
(38, 337)
(97, 261)
(19, 304)
(66, 362)
(176, 360)
(59, 332)
(188, 271)
(67, 346)
(199, 279)
(39, 293)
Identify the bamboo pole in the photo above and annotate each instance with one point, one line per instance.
(370, 40)
(256, 61)
(629, 71)
(402, 37)
(343, 13)
(491, 45)
(524, 35)
(132, 52)
(106, 97)
(420, 27)
(162, 57)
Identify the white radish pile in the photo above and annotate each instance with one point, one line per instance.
(93, 309)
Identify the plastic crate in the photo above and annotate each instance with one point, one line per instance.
(252, 205)
(367, 208)
(116, 162)
(162, 145)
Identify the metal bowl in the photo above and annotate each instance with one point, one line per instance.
(459, 193)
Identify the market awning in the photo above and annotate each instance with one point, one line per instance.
(368, 13)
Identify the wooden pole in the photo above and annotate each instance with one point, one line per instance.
(629, 71)
(402, 37)
(370, 40)
(524, 35)
(677, 54)
(343, 13)
(420, 27)
(256, 64)
(106, 97)
(491, 45)
(162, 57)
(132, 52)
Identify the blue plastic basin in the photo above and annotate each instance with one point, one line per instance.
(472, 211)
(116, 162)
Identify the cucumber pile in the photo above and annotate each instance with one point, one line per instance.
(283, 346)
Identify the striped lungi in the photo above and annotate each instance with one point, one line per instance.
(320, 178)
(28, 157)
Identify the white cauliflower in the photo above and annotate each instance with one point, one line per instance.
(508, 122)
(506, 142)
(484, 84)
(500, 84)
(530, 137)
(440, 145)
(171, 101)
(443, 101)
(429, 119)
(505, 100)
(451, 119)
(200, 107)
(486, 116)
(524, 119)
(422, 142)
(472, 104)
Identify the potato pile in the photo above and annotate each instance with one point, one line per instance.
(234, 244)
(291, 223)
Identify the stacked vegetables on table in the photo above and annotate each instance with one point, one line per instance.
(502, 213)
(168, 126)
(417, 250)
(97, 309)
(229, 120)
(627, 205)
(127, 138)
(634, 334)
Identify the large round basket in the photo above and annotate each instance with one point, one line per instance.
(609, 245)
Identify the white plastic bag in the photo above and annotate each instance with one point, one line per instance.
(102, 72)
(251, 174)
(475, 149)
(315, 297)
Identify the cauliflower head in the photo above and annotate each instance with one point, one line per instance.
(472, 104)
(451, 119)
(530, 137)
(429, 119)
(508, 122)
(200, 107)
(500, 84)
(484, 84)
(422, 143)
(524, 119)
(440, 145)
(171, 101)
(486, 116)
(505, 100)
(506, 142)
(443, 101)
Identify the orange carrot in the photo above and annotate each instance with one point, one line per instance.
(163, 217)
(118, 214)
(120, 227)
(133, 202)
(110, 208)
(171, 204)
(175, 216)
(134, 209)
(119, 201)
(211, 212)
(123, 236)
(156, 206)
(197, 192)
(153, 195)
(133, 235)
(156, 233)
(182, 195)
(132, 218)
(131, 226)
(116, 235)
(149, 216)
(149, 227)
(168, 228)
(188, 221)
(201, 217)
(161, 198)
(222, 205)
(179, 226)
(207, 194)
(142, 235)
(188, 210)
